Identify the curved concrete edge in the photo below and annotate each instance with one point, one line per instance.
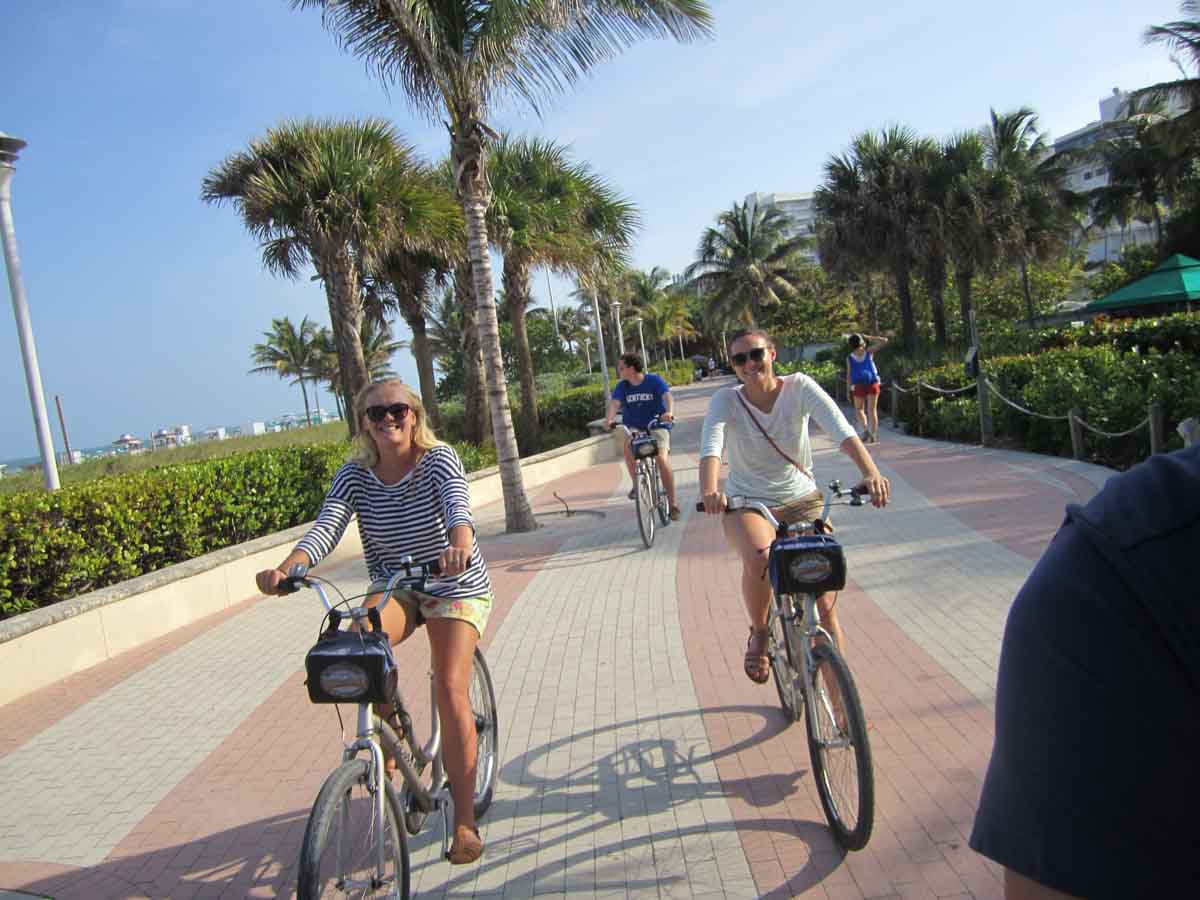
(45, 645)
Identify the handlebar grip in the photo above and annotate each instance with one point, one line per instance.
(699, 506)
(434, 568)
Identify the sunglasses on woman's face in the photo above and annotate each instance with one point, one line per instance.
(758, 354)
(397, 411)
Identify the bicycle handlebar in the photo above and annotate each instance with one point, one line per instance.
(858, 496)
(410, 575)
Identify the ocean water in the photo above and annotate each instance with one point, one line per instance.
(16, 465)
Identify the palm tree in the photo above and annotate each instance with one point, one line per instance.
(289, 352)
(324, 366)
(407, 280)
(379, 346)
(549, 211)
(868, 208)
(453, 58)
(970, 216)
(332, 194)
(746, 262)
(1038, 213)
(673, 315)
(1182, 38)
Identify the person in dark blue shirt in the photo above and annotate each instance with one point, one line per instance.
(641, 396)
(1092, 788)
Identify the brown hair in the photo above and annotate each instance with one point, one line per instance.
(366, 454)
(750, 332)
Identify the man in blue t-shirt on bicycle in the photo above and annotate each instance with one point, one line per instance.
(640, 397)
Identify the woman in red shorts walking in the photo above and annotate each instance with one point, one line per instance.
(862, 382)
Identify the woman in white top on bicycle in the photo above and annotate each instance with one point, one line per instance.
(763, 424)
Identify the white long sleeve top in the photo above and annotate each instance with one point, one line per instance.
(756, 470)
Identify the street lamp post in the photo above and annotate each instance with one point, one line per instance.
(616, 305)
(600, 346)
(642, 341)
(10, 147)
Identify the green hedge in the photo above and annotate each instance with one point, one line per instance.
(1112, 388)
(87, 536)
(677, 373)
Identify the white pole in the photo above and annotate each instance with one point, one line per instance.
(600, 346)
(642, 342)
(9, 148)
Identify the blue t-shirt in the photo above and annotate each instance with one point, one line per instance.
(641, 403)
(862, 371)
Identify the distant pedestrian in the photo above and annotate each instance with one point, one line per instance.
(712, 366)
(863, 383)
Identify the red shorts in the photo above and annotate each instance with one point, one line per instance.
(866, 390)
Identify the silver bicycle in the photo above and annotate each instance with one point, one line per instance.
(811, 676)
(355, 844)
(650, 496)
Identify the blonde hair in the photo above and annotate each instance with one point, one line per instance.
(366, 454)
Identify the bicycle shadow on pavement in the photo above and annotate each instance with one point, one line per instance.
(624, 792)
(256, 859)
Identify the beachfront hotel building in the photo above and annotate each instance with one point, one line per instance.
(800, 212)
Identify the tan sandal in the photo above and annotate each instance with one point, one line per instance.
(756, 664)
(467, 846)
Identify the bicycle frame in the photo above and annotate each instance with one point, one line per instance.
(372, 731)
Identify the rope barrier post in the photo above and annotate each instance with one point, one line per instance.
(1074, 418)
(1156, 428)
(920, 409)
(986, 428)
(895, 406)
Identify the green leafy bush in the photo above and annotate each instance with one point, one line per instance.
(678, 373)
(87, 536)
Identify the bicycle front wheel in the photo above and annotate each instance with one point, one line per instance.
(840, 751)
(661, 503)
(487, 733)
(644, 500)
(339, 856)
(782, 647)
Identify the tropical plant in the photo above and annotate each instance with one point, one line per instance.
(747, 262)
(333, 194)
(379, 346)
(550, 211)
(1182, 38)
(325, 367)
(289, 352)
(1038, 214)
(453, 58)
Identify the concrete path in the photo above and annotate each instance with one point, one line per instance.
(637, 759)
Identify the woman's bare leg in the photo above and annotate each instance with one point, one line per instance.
(452, 646)
(873, 414)
(858, 412)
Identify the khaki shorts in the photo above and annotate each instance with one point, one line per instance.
(663, 436)
(804, 510)
(474, 610)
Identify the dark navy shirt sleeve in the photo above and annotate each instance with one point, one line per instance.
(1092, 788)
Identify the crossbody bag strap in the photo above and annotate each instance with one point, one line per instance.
(770, 440)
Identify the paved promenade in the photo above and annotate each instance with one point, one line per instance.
(636, 758)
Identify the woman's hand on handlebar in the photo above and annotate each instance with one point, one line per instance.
(454, 560)
(878, 487)
(714, 503)
(268, 581)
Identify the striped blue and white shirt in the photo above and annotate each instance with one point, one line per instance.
(410, 518)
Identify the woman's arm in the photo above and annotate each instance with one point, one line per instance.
(872, 480)
(712, 444)
(879, 342)
(849, 383)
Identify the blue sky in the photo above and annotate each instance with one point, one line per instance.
(145, 302)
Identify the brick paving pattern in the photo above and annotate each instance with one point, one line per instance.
(636, 758)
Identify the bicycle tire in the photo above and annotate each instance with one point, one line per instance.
(781, 650)
(850, 811)
(346, 789)
(487, 733)
(644, 501)
(661, 503)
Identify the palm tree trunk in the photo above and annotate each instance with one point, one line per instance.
(937, 300)
(516, 290)
(425, 374)
(304, 393)
(476, 422)
(467, 154)
(963, 276)
(1025, 287)
(345, 315)
(908, 323)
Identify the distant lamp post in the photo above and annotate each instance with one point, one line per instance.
(642, 341)
(10, 147)
(616, 305)
(600, 345)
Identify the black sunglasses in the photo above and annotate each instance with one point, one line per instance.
(397, 411)
(758, 354)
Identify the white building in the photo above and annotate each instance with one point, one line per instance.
(215, 434)
(1087, 175)
(176, 436)
(800, 212)
(253, 428)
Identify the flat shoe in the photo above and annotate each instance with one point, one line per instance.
(632, 495)
(675, 514)
(466, 848)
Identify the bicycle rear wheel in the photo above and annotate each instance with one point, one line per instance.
(840, 751)
(644, 499)
(781, 649)
(487, 733)
(661, 503)
(338, 855)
